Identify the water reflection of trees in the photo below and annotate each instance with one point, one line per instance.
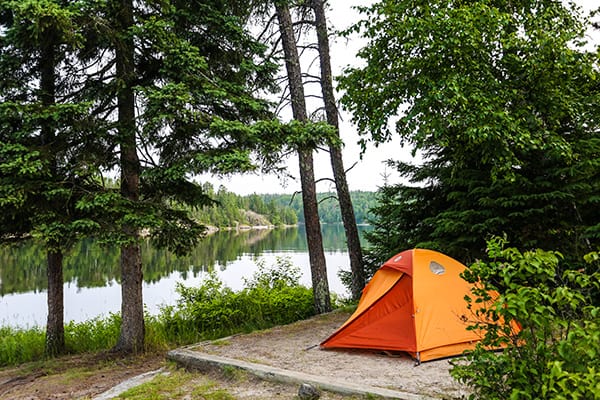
(30, 272)
(89, 264)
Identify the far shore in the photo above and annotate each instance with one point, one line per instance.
(213, 229)
(243, 227)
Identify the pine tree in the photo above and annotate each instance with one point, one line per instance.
(314, 237)
(48, 162)
(187, 63)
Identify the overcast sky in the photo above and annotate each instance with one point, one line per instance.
(368, 173)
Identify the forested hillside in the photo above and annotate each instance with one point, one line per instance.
(329, 210)
(230, 209)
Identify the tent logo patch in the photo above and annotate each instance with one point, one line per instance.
(436, 268)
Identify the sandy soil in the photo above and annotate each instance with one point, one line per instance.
(295, 347)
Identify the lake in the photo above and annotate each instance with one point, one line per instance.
(91, 272)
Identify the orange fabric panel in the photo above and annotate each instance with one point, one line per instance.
(441, 314)
(448, 350)
(387, 325)
(378, 286)
(402, 262)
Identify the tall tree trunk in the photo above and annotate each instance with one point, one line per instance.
(314, 238)
(131, 339)
(55, 330)
(337, 163)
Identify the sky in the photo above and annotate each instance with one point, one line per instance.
(369, 171)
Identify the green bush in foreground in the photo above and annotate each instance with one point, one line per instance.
(272, 297)
(556, 354)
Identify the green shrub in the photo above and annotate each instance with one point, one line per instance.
(556, 353)
(282, 274)
(22, 345)
(273, 296)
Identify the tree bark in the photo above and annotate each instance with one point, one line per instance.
(337, 163)
(131, 339)
(314, 238)
(55, 330)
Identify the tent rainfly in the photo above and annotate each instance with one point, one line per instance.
(414, 303)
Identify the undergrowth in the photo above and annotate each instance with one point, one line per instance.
(544, 321)
(273, 296)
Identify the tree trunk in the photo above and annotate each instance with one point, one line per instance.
(337, 164)
(55, 329)
(131, 339)
(314, 238)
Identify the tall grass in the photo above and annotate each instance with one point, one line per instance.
(93, 335)
(273, 296)
(20, 345)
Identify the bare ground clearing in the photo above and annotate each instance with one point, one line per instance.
(295, 347)
(290, 347)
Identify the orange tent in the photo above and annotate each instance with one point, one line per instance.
(414, 303)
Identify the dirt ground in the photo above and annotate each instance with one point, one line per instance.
(293, 347)
(73, 377)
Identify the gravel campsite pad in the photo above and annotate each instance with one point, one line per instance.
(295, 347)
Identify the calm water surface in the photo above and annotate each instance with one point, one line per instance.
(91, 272)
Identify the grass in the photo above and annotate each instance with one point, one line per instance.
(170, 386)
(177, 384)
(233, 374)
(20, 345)
(221, 342)
(76, 374)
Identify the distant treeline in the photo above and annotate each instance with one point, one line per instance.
(329, 208)
(231, 209)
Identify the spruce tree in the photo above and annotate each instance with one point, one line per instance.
(48, 163)
(138, 93)
(180, 68)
